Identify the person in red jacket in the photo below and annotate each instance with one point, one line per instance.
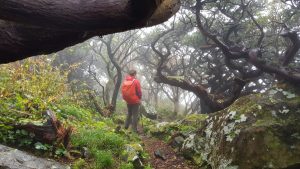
(132, 94)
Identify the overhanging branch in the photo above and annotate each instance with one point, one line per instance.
(26, 32)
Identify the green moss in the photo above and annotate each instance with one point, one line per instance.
(261, 124)
(132, 151)
(119, 118)
(186, 128)
(197, 159)
(194, 120)
(265, 122)
(279, 153)
(294, 102)
(126, 166)
(166, 129)
(246, 105)
(79, 164)
(66, 111)
(163, 130)
(272, 141)
(178, 78)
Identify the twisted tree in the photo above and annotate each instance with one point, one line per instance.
(243, 45)
(200, 90)
(237, 50)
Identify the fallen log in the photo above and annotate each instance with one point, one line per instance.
(52, 132)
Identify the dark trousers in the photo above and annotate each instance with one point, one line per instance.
(132, 116)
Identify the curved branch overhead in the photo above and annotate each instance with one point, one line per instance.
(77, 14)
(198, 89)
(253, 55)
(29, 28)
(242, 41)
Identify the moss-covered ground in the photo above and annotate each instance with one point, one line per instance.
(30, 88)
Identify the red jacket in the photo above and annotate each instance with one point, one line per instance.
(136, 96)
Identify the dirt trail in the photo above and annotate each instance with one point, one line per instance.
(172, 160)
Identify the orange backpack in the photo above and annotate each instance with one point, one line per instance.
(128, 91)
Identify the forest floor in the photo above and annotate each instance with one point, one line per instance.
(170, 161)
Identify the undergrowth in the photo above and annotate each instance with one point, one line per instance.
(29, 88)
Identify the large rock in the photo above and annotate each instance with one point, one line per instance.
(260, 131)
(133, 154)
(170, 130)
(148, 111)
(162, 130)
(14, 159)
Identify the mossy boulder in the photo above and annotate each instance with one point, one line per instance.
(194, 120)
(257, 131)
(165, 130)
(132, 152)
(148, 111)
(162, 130)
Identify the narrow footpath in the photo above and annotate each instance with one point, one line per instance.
(170, 161)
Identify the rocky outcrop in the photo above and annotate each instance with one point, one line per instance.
(259, 131)
(148, 111)
(14, 159)
(133, 154)
(182, 128)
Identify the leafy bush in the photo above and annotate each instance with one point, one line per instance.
(32, 84)
(103, 145)
(29, 87)
(126, 166)
(79, 113)
(121, 107)
(166, 114)
(103, 159)
(20, 137)
(79, 164)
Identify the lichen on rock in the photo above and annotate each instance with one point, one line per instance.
(164, 130)
(257, 131)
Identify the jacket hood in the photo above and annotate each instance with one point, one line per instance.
(130, 78)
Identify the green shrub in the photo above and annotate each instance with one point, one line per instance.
(126, 166)
(98, 139)
(32, 84)
(79, 164)
(121, 107)
(166, 114)
(103, 145)
(148, 167)
(80, 114)
(103, 159)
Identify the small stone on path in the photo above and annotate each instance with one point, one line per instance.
(159, 154)
(172, 161)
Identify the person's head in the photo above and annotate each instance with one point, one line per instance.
(132, 72)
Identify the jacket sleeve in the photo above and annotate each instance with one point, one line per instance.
(138, 89)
